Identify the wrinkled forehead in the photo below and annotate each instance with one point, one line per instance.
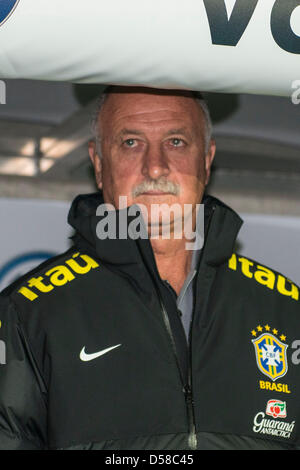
(149, 105)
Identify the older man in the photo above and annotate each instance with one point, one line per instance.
(134, 342)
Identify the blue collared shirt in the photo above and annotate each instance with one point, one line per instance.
(185, 300)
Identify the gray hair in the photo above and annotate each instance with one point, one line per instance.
(108, 89)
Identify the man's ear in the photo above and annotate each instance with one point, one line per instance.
(96, 161)
(209, 157)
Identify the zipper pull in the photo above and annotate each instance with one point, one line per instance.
(188, 396)
(192, 438)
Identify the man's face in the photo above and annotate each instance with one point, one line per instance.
(152, 149)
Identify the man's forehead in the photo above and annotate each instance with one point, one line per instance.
(150, 106)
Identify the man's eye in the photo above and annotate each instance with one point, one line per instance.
(177, 142)
(130, 142)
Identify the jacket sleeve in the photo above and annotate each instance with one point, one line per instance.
(23, 418)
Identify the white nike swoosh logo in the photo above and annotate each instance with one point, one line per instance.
(89, 357)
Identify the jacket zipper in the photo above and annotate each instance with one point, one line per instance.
(192, 440)
(190, 401)
(187, 390)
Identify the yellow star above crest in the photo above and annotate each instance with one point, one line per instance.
(274, 331)
(259, 328)
(283, 337)
(253, 332)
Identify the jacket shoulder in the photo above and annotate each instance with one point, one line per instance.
(261, 276)
(14, 286)
(56, 271)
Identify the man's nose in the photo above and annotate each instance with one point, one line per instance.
(155, 163)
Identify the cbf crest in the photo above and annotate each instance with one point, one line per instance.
(270, 354)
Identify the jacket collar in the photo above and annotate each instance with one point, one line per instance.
(222, 225)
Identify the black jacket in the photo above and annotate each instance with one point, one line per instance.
(235, 386)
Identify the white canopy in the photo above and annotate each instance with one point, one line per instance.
(239, 46)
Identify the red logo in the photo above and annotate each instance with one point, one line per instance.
(276, 408)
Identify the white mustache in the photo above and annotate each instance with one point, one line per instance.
(156, 185)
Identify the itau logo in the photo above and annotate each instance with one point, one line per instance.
(7, 7)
